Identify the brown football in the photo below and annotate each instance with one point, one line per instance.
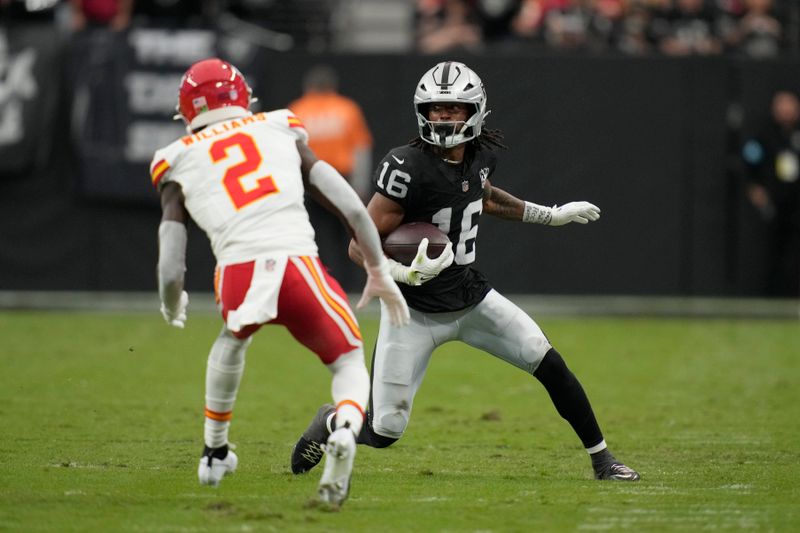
(402, 244)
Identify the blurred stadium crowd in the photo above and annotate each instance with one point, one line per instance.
(754, 28)
(748, 28)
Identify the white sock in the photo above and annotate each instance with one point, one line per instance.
(597, 447)
(215, 432)
(223, 375)
(350, 389)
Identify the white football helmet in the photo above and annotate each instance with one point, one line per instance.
(450, 81)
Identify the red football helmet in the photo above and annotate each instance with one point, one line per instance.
(212, 90)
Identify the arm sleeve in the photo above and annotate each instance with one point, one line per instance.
(171, 262)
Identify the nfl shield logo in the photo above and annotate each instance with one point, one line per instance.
(465, 185)
(269, 265)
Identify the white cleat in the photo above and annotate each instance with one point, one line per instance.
(212, 469)
(340, 451)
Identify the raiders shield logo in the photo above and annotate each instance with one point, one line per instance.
(465, 185)
(484, 174)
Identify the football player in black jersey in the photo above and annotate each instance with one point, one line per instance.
(443, 177)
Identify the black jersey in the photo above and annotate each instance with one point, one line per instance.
(449, 196)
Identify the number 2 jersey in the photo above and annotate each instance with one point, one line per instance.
(242, 185)
(449, 196)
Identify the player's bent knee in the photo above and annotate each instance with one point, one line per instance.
(532, 356)
(552, 368)
(352, 358)
(391, 425)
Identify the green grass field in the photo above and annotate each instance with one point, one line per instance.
(102, 428)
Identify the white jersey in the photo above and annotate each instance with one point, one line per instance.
(242, 185)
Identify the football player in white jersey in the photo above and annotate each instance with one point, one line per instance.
(443, 177)
(241, 177)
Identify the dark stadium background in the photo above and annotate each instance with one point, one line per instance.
(652, 141)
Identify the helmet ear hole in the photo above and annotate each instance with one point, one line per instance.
(471, 110)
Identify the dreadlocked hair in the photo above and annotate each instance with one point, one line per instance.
(488, 139)
(491, 139)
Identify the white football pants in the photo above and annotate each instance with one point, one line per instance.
(496, 325)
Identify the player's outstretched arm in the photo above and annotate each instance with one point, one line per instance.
(580, 212)
(172, 256)
(330, 185)
(501, 204)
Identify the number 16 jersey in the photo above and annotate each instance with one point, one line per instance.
(242, 185)
(450, 197)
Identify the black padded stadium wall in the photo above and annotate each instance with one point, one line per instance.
(649, 140)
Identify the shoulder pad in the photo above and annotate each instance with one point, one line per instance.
(286, 119)
(163, 161)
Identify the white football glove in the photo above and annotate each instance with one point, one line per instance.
(580, 212)
(176, 318)
(381, 285)
(422, 268)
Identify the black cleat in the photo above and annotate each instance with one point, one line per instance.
(308, 452)
(617, 472)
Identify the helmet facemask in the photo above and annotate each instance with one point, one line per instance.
(447, 134)
(450, 82)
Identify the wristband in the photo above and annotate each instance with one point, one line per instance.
(537, 214)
